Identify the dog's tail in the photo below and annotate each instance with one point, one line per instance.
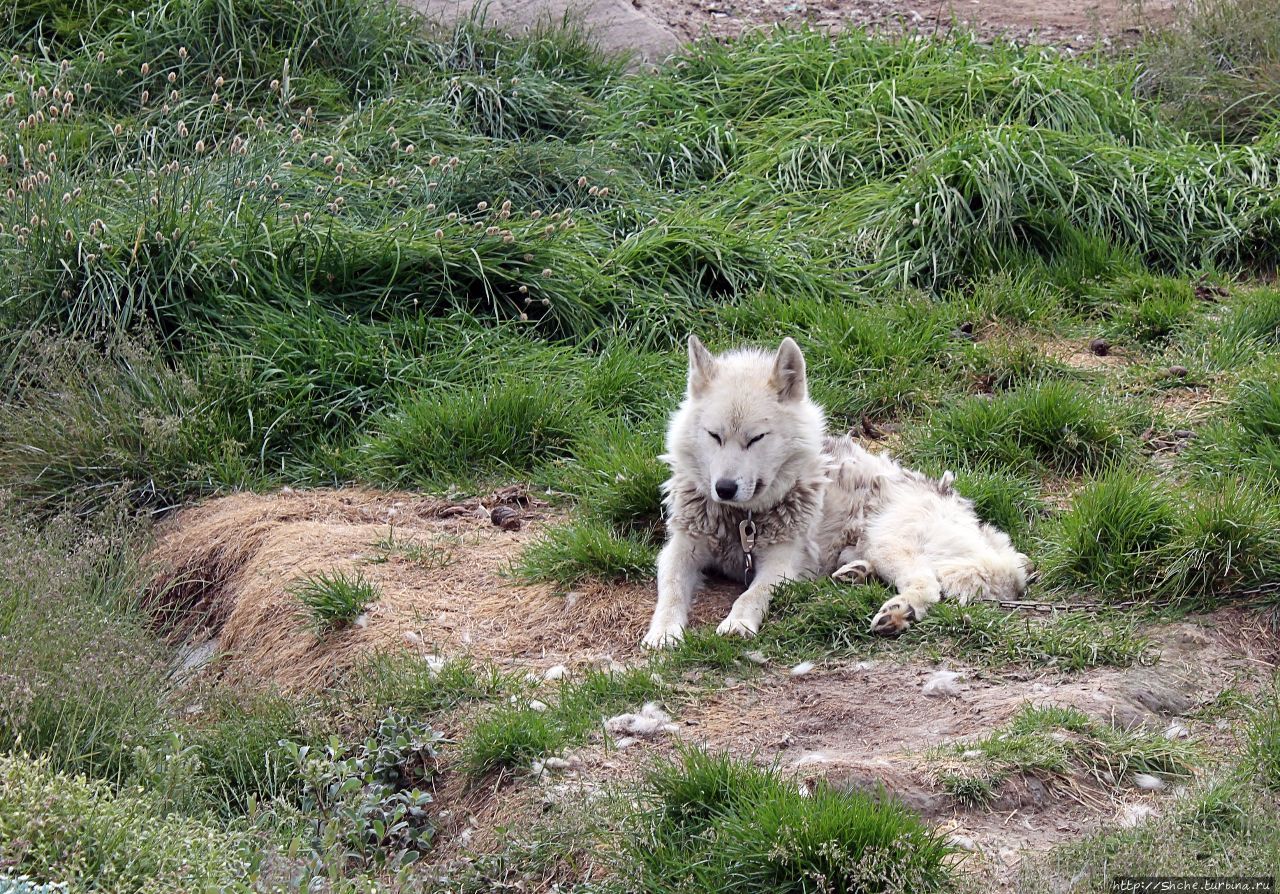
(993, 575)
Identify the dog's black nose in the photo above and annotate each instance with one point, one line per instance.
(726, 489)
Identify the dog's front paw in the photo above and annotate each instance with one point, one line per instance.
(853, 572)
(893, 619)
(663, 637)
(745, 624)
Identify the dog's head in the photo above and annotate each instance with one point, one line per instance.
(747, 428)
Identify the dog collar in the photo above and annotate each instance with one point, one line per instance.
(747, 539)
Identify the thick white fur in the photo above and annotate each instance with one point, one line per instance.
(821, 505)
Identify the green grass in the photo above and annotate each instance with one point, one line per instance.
(586, 550)
(320, 244)
(510, 738)
(1052, 427)
(1062, 744)
(712, 822)
(88, 679)
(335, 599)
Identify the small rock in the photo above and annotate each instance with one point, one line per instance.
(1176, 731)
(538, 706)
(1100, 346)
(1178, 372)
(506, 518)
(964, 842)
(967, 327)
(1183, 434)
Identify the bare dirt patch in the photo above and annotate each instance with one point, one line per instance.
(227, 571)
(865, 725)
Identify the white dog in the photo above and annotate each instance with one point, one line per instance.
(758, 493)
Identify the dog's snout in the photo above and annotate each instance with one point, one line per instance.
(726, 489)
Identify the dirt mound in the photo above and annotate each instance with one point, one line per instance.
(227, 573)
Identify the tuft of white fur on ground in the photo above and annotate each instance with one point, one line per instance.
(555, 672)
(1135, 815)
(625, 742)
(964, 842)
(555, 764)
(756, 657)
(1176, 731)
(802, 668)
(942, 683)
(435, 663)
(1147, 782)
(650, 721)
(412, 638)
(816, 757)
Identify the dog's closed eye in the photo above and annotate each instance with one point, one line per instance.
(719, 440)
(756, 438)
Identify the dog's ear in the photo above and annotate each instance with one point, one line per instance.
(787, 377)
(702, 366)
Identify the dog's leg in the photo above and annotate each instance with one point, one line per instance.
(775, 564)
(917, 586)
(679, 573)
(852, 567)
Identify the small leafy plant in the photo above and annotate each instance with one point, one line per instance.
(369, 802)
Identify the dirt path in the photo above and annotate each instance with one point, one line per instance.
(655, 29)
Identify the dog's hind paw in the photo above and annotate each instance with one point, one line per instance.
(893, 619)
(663, 637)
(852, 572)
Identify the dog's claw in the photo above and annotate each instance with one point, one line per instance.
(893, 619)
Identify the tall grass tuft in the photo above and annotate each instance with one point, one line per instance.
(715, 823)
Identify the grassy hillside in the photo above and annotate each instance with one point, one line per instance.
(267, 243)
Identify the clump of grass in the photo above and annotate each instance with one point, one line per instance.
(85, 678)
(1149, 308)
(1213, 70)
(584, 550)
(617, 478)
(1247, 439)
(88, 426)
(336, 598)
(509, 738)
(1054, 426)
(1009, 502)
(1065, 744)
(715, 823)
(236, 739)
(1116, 537)
(407, 684)
(1229, 539)
(1069, 641)
(463, 434)
(1262, 751)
